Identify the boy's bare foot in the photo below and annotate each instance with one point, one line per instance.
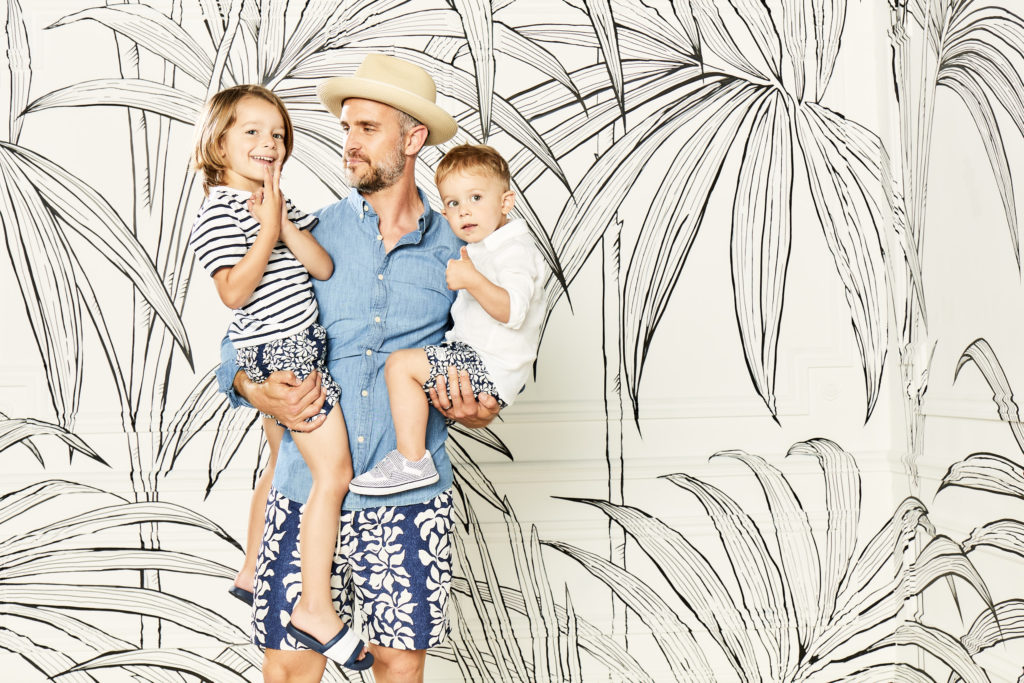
(246, 579)
(322, 626)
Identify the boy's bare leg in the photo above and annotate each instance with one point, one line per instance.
(326, 452)
(245, 578)
(406, 371)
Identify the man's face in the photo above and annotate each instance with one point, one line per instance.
(374, 145)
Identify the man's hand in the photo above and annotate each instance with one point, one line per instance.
(282, 395)
(463, 407)
(461, 273)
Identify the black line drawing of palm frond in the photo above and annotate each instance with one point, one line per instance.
(991, 473)
(518, 632)
(972, 49)
(91, 533)
(24, 430)
(690, 89)
(807, 603)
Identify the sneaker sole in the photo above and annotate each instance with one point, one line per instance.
(389, 490)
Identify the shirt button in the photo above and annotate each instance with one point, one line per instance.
(360, 439)
(377, 319)
(365, 392)
(380, 276)
(380, 237)
(369, 352)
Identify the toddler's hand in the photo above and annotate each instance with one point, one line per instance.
(461, 273)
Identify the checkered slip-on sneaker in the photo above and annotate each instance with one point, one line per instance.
(394, 474)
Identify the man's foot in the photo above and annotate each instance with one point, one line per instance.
(394, 474)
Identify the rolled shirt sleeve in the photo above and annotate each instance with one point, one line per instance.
(519, 274)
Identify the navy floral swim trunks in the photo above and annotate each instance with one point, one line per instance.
(463, 357)
(395, 562)
(302, 353)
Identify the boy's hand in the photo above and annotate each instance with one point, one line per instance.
(267, 204)
(461, 273)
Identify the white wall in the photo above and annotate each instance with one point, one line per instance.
(696, 397)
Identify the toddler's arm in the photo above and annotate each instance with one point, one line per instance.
(462, 274)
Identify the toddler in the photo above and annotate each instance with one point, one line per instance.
(497, 314)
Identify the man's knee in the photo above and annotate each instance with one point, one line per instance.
(398, 666)
(285, 666)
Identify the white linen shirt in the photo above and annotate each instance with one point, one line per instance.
(509, 258)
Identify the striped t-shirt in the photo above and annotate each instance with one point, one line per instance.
(283, 302)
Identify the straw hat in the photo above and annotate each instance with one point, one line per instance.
(394, 82)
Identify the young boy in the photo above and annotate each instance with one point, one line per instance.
(497, 314)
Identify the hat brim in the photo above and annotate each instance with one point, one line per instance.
(440, 125)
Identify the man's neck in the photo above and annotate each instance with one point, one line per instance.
(398, 209)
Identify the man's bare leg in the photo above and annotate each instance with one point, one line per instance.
(293, 666)
(397, 666)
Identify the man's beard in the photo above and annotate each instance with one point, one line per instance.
(379, 176)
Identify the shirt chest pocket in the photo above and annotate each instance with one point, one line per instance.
(417, 288)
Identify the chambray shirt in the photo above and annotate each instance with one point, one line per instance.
(375, 302)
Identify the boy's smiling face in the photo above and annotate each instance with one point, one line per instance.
(475, 204)
(252, 143)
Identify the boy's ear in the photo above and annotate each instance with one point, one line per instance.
(508, 200)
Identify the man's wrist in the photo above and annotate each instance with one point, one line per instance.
(242, 385)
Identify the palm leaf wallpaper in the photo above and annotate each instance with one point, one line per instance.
(826, 492)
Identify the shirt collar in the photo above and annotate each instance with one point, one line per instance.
(511, 230)
(224, 189)
(361, 206)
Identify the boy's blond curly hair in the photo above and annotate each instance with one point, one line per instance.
(218, 115)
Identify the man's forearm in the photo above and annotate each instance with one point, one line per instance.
(242, 385)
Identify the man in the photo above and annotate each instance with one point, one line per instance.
(388, 292)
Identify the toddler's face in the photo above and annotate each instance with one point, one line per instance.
(253, 142)
(475, 204)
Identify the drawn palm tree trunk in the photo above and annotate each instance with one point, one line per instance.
(915, 102)
(603, 22)
(971, 48)
(138, 147)
(611, 346)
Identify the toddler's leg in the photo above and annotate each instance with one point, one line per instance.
(405, 372)
(409, 466)
(326, 452)
(258, 507)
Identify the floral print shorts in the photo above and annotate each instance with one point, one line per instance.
(463, 357)
(302, 353)
(394, 561)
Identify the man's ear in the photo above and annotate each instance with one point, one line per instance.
(415, 139)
